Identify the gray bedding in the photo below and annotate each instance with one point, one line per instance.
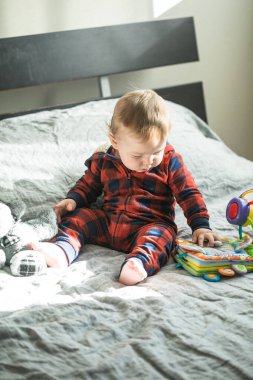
(80, 323)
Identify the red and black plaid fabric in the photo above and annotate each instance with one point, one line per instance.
(151, 242)
(148, 196)
(135, 203)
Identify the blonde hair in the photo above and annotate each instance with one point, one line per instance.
(143, 112)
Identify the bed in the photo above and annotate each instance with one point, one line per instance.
(81, 323)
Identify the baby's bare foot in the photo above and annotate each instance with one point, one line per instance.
(54, 255)
(132, 272)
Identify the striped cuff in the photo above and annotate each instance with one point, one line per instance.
(200, 223)
(69, 250)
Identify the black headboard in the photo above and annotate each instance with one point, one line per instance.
(98, 52)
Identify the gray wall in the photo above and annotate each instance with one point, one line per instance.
(224, 32)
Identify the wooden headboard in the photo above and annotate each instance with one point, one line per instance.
(100, 52)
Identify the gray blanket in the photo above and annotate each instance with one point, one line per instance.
(80, 323)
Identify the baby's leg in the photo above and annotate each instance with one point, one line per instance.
(36, 259)
(132, 272)
(153, 244)
(77, 228)
(54, 255)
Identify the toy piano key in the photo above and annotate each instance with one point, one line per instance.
(226, 272)
(191, 247)
(244, 243)
(239, 268)
(212, 277)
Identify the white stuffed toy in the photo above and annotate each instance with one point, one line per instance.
(16, 235)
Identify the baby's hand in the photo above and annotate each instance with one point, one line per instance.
(201, 235)
(63, 207)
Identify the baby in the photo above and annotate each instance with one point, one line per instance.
(141, 177)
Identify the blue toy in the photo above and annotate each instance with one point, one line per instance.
(240, 210)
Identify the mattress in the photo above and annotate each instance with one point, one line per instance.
(82, 323)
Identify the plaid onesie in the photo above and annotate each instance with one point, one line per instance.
(138, 213)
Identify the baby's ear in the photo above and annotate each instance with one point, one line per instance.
(113, 140)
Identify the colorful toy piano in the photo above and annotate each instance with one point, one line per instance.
(230, 256)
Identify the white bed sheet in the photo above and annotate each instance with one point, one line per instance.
(80, 322)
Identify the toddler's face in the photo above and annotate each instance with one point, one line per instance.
(136, 154)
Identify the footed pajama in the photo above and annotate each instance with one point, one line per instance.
(151, 242)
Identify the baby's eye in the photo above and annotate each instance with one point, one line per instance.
(156, 153)
(136, 156)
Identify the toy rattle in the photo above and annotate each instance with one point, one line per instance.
(240, 210)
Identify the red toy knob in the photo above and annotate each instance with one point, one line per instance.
(237, 211)
(233, 210)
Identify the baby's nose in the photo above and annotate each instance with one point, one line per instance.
(149, 160)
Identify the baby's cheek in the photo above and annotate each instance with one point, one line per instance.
(157, 161)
